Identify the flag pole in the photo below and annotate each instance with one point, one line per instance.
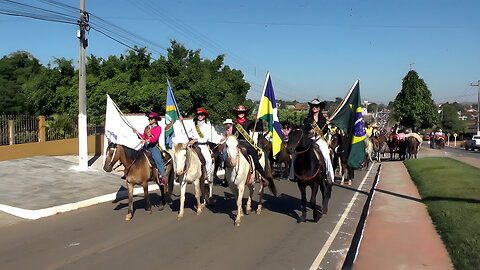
(124, 117)
(261, 100)
(345, 98)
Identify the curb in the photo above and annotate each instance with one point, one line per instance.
(50, 211)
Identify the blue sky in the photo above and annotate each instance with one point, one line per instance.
(311, 48)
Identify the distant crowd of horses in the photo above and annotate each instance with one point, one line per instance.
(183, 166)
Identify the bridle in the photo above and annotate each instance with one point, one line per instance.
(120, 164)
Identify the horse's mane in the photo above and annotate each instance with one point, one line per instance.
(130, 153)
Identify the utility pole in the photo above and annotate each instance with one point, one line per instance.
(82, 97)
(478, 106)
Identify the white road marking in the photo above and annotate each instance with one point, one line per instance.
(328, 243)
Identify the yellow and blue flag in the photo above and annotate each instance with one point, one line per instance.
(348, 117)
(268, 111)
(171, 115)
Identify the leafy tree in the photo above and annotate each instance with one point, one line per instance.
(413, 106)
(291, 116)
(450, 121)
(372, 107)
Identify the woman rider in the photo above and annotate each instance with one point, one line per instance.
(316, 124)
(203, 133)
(241, 130)
(150, 142)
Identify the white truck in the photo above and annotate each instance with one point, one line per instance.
(473, 144)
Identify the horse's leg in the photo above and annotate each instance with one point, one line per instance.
(313, 200)
(146, 197)
(302, 187)
(326, 193)
(241, 189)
(248, 209)
(350, 175)
(130, 202)
(162, 189)
(198, 194)
(183, 187)
(260, 199)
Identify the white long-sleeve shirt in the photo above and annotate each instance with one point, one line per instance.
(208, 131)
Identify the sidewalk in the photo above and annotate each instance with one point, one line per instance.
(399, 233)
(58, 187)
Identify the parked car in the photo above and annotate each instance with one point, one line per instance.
(473, 144)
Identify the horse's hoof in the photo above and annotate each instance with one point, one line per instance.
(247, 211)
(237, 223)
(302, 220)
(259, 211)
(350, 182)
(128, 218)
(161, 207)
(342, 183)
(179, 218)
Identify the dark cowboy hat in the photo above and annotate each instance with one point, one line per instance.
(202, 111)
(240, 108)
(154, 115)
(316, 103)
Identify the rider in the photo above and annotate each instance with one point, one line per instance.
(241, 129)
(199, 136)
(316, 124)
(150, 142)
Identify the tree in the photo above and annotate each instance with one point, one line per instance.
(450, 121)
(413, 106)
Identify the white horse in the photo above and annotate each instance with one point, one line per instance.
(188, 169)
(240, 174)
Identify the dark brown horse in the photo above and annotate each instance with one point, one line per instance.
(137, 172)
(412, 146)
(310, 170)
(338, 143)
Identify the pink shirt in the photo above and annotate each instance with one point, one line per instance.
(155, 131)
(401, 136)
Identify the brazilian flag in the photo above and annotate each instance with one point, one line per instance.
(172, 114)
(348, 117)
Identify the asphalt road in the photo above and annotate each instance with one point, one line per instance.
(97, 237)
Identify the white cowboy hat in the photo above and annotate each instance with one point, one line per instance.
(228, 121)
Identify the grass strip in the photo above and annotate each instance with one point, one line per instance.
(451, 191)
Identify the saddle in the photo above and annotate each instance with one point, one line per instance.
(243, 150)
(153, 164)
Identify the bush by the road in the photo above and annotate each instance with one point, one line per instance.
(451, 191)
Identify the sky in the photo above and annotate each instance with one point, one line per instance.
(312, 49)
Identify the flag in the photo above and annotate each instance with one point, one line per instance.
(348, 117)
(119, 129)
(172, 114)
(268, 111)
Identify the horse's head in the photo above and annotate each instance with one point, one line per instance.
(112, 156)
(295, 138)
(231, 144)
(180, 157)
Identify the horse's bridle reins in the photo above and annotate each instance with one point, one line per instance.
(113, 157)
(302, 152)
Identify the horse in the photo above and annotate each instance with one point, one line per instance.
(138, 171)
(282, 156)
(310, 170)
(412, 147)
(238, 173)
(440, 142)
(369, 151)
(188, 169)
(382, 140)
(338, 143)
(392, 143)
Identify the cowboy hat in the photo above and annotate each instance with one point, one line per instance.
(202, 111)
(154, 115)
(316, 103)
(228, 121)
(240, 108)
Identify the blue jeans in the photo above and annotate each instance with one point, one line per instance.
(157, 156)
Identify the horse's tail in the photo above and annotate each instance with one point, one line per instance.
(272, 187)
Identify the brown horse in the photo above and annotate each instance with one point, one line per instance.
(412, 147)
(338, 143)
(310, 170)
(138, 171)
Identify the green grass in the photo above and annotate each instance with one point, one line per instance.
(451, 191)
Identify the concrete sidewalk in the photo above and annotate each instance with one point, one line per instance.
(399, 233)
(46, 185)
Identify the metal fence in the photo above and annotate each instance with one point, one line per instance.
(17, 129)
